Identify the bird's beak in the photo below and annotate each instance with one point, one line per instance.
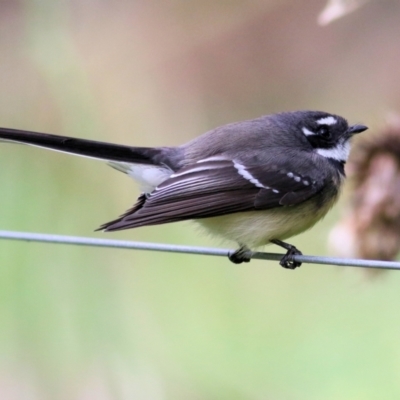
(356, 129)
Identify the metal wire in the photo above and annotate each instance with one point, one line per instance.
(123, 244)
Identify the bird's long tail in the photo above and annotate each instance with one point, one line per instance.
(82, 147)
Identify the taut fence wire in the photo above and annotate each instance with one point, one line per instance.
(170, 248)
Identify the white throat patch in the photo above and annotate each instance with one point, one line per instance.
(339, 153)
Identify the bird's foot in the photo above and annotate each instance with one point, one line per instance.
(240, 255)
(287, 260)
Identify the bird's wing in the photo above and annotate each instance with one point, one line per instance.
(216, 186)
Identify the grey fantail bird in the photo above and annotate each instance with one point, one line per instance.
(254, 182)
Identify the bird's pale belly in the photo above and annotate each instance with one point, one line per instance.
(257, 228)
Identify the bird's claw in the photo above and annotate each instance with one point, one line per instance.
(239, 256)
(287, 260)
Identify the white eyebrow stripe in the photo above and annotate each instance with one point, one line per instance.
(339, 153)
(307, 132)
(327, 121)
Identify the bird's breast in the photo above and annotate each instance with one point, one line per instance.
(257, 228)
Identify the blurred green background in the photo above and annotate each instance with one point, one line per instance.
(87, 323)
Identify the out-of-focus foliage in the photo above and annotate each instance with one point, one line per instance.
(81, 323)
(336, 9)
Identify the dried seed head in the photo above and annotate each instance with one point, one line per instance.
(370, 227)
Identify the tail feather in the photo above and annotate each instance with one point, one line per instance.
(83, 147)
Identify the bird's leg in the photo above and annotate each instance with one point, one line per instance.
(287, 260)
(240, 255)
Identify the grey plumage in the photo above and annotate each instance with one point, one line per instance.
(253, 181)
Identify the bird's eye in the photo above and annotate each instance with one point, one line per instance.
(323, 131)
